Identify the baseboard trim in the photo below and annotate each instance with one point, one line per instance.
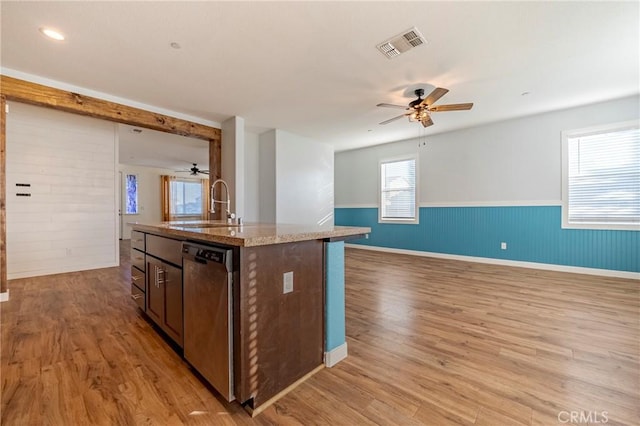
(255, 411)
(427, 204)
(335, 355)
(65, 270)
(506, 262)
(4, 297)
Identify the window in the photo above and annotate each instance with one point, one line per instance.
(131, 191)
(184, 198)
(398, 189)
(601, 177)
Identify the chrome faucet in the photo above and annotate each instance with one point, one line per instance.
(230, 215)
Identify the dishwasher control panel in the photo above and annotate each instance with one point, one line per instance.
(203, 253)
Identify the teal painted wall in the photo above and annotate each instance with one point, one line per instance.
(335, 334)
(532, 234)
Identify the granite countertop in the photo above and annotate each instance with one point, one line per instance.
(249, 234)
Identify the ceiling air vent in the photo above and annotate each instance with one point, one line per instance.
(401, 43)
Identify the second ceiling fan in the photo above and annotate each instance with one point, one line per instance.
(421, 109)
(194, 171)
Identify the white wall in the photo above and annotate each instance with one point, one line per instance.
(510, 162)
(69, 221)
(233, 164)
(356, 172)
(304, 180)
(267, 174)
(251, 177)
(149, 195)
(293, 178)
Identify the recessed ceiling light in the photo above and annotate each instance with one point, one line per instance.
(524, 93)
(175, 45)
(52, 33)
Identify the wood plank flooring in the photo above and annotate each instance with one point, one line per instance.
(431, 342)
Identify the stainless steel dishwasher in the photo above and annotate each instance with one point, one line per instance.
(208, 313)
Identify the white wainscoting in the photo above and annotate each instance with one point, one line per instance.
(68, 223)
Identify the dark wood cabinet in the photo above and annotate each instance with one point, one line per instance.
(137, 259)
(277, 320)
(138, 240)
(155, 293)
(167, 249)
(286, 330)
(138, 279)
(138, 287)
(164, 297)
(138, 296)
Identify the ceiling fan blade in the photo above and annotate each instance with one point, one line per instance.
(427, 122)
(393, 119)
(391, 106)
(437, 93)
(451, 107)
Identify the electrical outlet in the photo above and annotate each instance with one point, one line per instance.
(503, 246)
(287, 282)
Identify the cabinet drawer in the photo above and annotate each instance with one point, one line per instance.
(164, 297)
(137, 240)
(166, 249)
(138, 278)
(138, 296)
(137, 259)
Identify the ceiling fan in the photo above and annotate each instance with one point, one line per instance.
(421, 109)
(194, 171)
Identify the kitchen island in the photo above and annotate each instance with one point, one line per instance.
(285, 300)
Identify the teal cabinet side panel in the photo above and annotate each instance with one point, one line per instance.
(334, 288)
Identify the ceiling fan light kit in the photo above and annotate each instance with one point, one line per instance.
(420, 109)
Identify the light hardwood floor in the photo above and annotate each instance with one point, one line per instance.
(431, 341)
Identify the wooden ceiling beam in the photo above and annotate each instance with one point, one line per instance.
(36, 94)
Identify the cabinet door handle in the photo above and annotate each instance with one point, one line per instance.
(157, 280)
(136, 296)
(161, 276)
(133, 277)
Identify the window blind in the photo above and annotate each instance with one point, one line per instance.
(604, 177)
(398, 189)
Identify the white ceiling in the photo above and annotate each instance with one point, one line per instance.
(145, 147)
(312, 68)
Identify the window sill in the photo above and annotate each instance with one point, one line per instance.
(601, 226)
(400, 221)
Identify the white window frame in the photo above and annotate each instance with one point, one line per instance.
(408, 221)
(566, 135)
